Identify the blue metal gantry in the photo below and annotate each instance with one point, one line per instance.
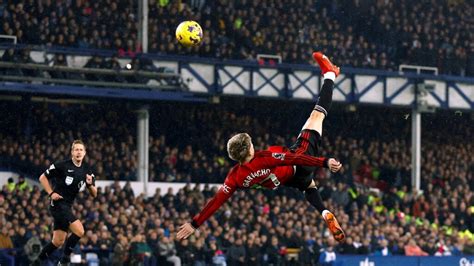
(217, 77)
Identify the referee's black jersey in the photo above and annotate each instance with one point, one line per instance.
(67, 179)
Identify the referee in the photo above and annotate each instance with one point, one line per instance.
(63, 181)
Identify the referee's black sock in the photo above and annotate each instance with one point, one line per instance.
(312, 196)
(71, 242)
(47, 250)
(325, 97)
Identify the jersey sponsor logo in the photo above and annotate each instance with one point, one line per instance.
(226, 189)
(69, 180)
(70, 171)
(278, 156)
(253, 175)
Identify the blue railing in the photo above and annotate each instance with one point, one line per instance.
(212, 76)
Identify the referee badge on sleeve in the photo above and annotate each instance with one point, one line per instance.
(69, 180)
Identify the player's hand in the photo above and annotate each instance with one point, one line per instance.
(334, 165)
(89, 180)
(185, 231)
(56, 196)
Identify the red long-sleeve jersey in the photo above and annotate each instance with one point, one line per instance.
(267, 169)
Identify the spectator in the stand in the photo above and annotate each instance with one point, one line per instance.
(59, 60)
(95, 62)
(273, 251)
(186, 253)
(11, 184)
(139, 249)
(5, 239)
(114, 64)
(198, 253)
(167, 250)
(120, 251)
(236, 253)
(10, 55)
(347, 247)
(365, 248)
(328, 255)
(412, 249)
(340, 195)
(383, 249)
(252, 252)
(20, 239)
(22, 184)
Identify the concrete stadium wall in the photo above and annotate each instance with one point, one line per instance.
(138, 187)
(150, 187)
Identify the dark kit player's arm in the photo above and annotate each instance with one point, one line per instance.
(44, 181)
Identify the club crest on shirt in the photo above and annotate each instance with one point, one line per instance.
(69, 180)
(278, 156)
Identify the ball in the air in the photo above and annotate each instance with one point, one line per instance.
(189, 33)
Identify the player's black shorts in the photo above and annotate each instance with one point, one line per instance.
(62, 215)
(308, 142)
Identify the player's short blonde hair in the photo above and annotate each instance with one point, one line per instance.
(238, 147)
(77, 141)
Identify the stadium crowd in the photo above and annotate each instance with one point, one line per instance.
(195, 152)
(258, 227)
(375, 181)
(371, 34)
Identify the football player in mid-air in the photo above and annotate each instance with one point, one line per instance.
(293, 167)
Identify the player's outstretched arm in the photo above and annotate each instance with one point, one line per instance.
(334, 165)
(222, 195)
(290, 158)
(185, 231)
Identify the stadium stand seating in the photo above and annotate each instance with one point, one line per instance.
(370, 34)
(256, 227)
(375, 182)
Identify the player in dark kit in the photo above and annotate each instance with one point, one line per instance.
(63, 181)
(293, 167)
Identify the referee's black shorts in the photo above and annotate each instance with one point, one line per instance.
(62, 215)
(308, 142)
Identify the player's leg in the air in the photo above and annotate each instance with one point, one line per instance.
(309, 141)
